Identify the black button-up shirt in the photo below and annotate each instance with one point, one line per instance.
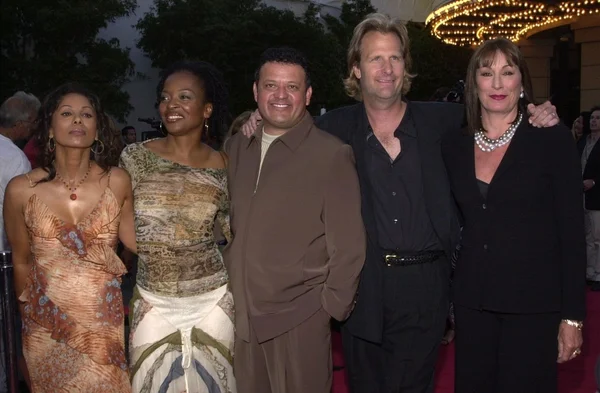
(403, 223)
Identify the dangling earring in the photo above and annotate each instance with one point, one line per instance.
(206, 127)
(51, 145)
(522, 94)
(96, 152)
(162, 130)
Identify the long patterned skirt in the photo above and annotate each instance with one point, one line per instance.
(182, 344)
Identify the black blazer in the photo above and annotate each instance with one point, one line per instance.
(432, 120)
(591, 171)
(523, 248)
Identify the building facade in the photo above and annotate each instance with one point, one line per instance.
(560, 40)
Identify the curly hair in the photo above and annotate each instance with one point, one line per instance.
(215, 92)
(107, 133)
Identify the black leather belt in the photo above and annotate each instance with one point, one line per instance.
(392, 258)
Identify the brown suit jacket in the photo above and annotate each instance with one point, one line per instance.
(298, 237)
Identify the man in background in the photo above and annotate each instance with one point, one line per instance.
(17, 119)
(590, 164)
(129, 135)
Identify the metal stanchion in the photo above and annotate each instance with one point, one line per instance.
(8, 320)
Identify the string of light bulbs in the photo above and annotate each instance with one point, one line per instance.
(470, 22)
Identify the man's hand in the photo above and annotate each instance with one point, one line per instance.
(249, 127)
(543, 115)
(570, 340)
(588, 183)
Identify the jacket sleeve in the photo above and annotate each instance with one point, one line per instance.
(345, 235)
(568, 210)
(336, 122)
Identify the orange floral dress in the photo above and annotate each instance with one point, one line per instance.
(73, 338)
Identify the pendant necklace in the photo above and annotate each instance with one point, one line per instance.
(73, 196)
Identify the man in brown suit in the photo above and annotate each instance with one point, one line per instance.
(299, 241)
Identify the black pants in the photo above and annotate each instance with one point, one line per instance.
(415, 312)
(505, 353)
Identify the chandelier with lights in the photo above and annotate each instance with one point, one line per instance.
(470, 22)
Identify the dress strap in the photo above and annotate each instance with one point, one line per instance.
(109, 172)
(30, 181)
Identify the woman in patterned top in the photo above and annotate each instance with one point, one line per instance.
(182, 328)
(63, 221)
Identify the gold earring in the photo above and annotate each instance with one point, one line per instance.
(98, 142)
(51, 145)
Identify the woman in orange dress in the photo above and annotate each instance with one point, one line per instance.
(63, 221)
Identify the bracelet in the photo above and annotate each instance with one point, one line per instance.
(577, 324)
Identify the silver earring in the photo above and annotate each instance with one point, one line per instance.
(162, 129)
(522, 94)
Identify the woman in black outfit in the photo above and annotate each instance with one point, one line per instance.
(520, 277)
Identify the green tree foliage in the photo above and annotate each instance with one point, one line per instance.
(46, 43)
(435, 63)
(231, 34)
(353, 11)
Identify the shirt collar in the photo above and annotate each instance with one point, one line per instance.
(293, 137)
(406, 126)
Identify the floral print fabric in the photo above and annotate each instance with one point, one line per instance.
(73, 315)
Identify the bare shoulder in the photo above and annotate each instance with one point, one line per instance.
(217, 159)
(119, 177)
(21, 187)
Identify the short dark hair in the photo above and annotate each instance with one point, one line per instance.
(125, 129)
(595, 108)
(283, 55)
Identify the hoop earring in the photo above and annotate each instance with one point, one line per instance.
(162, 129)
(51, 145)
(98, 142)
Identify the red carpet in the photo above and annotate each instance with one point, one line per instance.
(576, 376)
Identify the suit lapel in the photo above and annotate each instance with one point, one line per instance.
(513, 152)
(595, 151)
(358, 140)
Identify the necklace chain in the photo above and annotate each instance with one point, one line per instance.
(73, 196)
(488, 144)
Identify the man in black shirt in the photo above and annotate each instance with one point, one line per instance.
(391, 339)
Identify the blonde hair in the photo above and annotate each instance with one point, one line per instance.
(385, 25)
